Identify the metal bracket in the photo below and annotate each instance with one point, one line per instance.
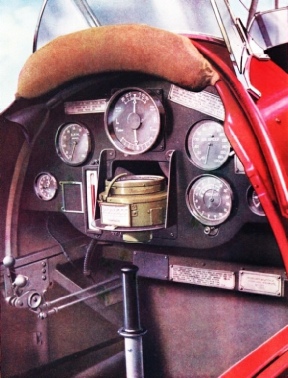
(151, 265)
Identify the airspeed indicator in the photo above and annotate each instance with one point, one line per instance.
(207, 145)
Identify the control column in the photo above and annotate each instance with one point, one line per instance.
(132, 330)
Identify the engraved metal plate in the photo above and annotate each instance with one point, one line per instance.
(85, 107)
(203, 277)
(205, 102)
(260, 283)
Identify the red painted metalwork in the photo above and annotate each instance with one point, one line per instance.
(272, 82)
(269, 360)
(250, 128)
(277, 368)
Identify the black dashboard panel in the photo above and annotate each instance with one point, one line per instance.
(169, 156)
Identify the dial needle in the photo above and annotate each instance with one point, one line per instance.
(73, 149)
(134, 105)
(212, 197)
(135, 137)
(207, 153)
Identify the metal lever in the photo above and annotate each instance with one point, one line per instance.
(132, 330)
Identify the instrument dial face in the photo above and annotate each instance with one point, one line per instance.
(132, 121)
(207, 145)
(73, 143)
(209, 198)
(45, 186)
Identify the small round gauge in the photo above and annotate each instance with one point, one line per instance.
(254, 202)
(45, 186)
(207, 145)
(132, 121)
(73, 143)
(209, 198)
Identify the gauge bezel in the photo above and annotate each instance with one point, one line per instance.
(191, 153)
(109, 122)
(37, 189)
(258, 210)
(59, 151)
(191, 205)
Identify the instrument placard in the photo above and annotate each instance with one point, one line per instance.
(205, 102)
(85, 107)
(203, 277)
(115, 215)
(260, 283)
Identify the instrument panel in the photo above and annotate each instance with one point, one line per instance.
(140, 127)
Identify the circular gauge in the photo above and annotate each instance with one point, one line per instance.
(132, 121)
(45, 186)
(73, 143)
(254, 202)
(209, 198)
(207, 145)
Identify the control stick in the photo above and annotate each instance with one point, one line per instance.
(132, 330)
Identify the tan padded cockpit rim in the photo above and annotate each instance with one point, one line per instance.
(132, 47)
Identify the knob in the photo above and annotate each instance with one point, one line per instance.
(20, 281)
(8, 261)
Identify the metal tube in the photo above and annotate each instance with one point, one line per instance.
(88, 297)
(132, 330)
(252, 11)
(54, 310)
(134, 357)
(82, 291)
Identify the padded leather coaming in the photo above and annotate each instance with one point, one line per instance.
(130, 47)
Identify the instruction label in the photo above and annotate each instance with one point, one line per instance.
(203, 277)
(205, 102)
